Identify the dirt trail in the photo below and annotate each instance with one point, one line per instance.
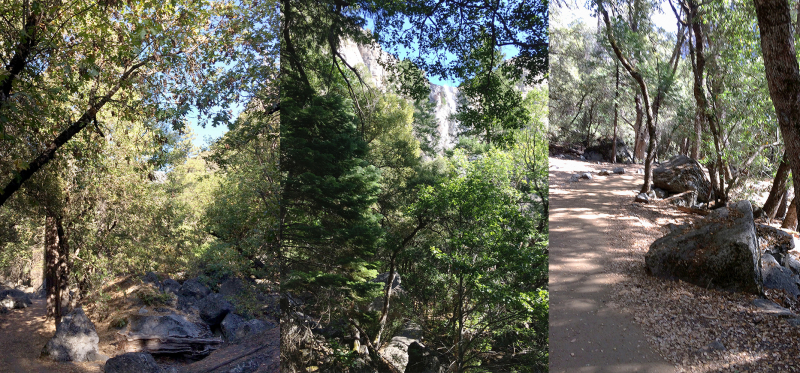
(586, 335)
(23, 333)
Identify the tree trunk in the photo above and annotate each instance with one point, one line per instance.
(790, 222)
(51, 267)
(616, 115)
(781, 212)
(778, 189)
(783, 75)
(641, 133)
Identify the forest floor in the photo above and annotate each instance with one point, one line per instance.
(23, 333)
(602, 301)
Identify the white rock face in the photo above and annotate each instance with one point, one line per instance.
(444, 97)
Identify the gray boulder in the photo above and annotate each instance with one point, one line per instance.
(720, 251)
(230, 324)
(193, 289)
(214, 308)
(132, 362)
(682, 174)
(396, 351)
(14, 298)
(170, 334)
(574, 178)
(75, 339)
(150, 278)
(604, 173)
(619, 170)
(171, 286)
(604, 151)
(777, 277)
(642, 198)
(586, 176)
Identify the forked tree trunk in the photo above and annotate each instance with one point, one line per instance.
(783, 75)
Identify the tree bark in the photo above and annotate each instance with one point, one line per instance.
(641, 133)
(51, 266)
(778, 189)
(790, 221)
(616, 115)
(783, 75)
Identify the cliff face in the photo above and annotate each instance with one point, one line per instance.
(443, 97)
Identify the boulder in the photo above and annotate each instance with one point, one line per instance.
(421, 360)
(682, 174)
(574, 178)
(214, 308)
(193, 289)
(604, 173)
(586, 176)
(396, 351)
(377, 302)
(777, 277)
(14, 298)
(170, 334)
(642, 198)
(171, 286)
(230, 324)
(720, 251)
(75, 339)
(604, 151)
(619, 170)
(150, 278)
(132, 362)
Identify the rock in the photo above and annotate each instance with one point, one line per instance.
(214, 308)
(421, 360)
(586, 176)
(604, 151)
(619, 170)
(75, 339)
(132, 362)
(171, 286)
(604, 173)
(170, 334)
(14, 298)
(3, 310)
(642, 197)
(150, 278)
(682, 174)
(230, 324)
(143, 311)
(792, 260)
(396, 351)
(193, 289)
(251, 327)
(377, 302)
(660, 193)
(720, 251)
(770, 308)
(575, 178)
(777, 277)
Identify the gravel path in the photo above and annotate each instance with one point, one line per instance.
(586, 334)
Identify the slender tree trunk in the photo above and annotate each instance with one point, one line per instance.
(790, 221)
(641, 132)
(778, 189)
(51, 267)
(781, 213)
(616, 115)
(783, 75)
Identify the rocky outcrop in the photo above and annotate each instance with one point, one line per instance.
(682, 174)
(132, 362)
(214, 308)
(75, 339)
(422, 360)
(719, 251)
(170, 334)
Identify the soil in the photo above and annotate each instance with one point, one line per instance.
(683, 327)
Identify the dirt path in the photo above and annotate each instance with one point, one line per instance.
(23, 333)
(586, 335)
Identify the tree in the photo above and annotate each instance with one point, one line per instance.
(650, 109)
(783, 74)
